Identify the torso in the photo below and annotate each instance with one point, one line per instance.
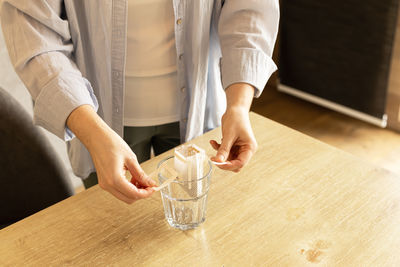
(151, 91)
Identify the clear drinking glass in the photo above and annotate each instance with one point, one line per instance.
(185, 201)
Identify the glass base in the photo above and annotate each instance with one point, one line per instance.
(184, 227)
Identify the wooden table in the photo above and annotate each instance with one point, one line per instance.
(299, 202)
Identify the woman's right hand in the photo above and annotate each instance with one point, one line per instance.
(111, 156)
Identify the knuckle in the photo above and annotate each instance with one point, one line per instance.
(224, 150)
(255, 146)
(223, 117)
(102, 185)
(110, 183)
(126, 201)
(141, 176)
(223, 167)
(130, 201)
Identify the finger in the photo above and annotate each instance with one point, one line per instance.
(137, 184)
(214, 144)
(231, 166)
(243, 158)
(238, 163)
(226, 167)
(138, 174)
(224, 149)
(131, 191)
(120, 196)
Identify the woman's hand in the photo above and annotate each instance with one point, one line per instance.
(111, 156)
(238, 142)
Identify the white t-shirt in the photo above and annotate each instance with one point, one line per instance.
(151, 91)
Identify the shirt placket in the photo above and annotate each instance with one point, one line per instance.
(118, 42)
(179, 12)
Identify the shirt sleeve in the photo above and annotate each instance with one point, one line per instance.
(41, 50)
(247, 31)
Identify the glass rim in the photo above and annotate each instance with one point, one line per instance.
(180, 182)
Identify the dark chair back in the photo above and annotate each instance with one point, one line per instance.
(31, 175)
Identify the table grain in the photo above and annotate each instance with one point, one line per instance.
(299, 202)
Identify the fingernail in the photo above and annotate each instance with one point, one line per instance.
(221, 157)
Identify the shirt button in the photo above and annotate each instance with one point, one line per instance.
(183, 89)
(185, 120)
(180, 56)
(179, 21)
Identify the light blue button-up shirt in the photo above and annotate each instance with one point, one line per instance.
(72, 52)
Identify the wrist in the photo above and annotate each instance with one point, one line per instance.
(239, 96)
(236, 109)
(88, 127)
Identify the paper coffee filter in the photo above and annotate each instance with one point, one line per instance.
(189, 163)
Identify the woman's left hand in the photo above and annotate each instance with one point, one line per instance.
(238, 142)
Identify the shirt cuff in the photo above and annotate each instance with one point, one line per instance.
(248, 66)
(58, 99)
